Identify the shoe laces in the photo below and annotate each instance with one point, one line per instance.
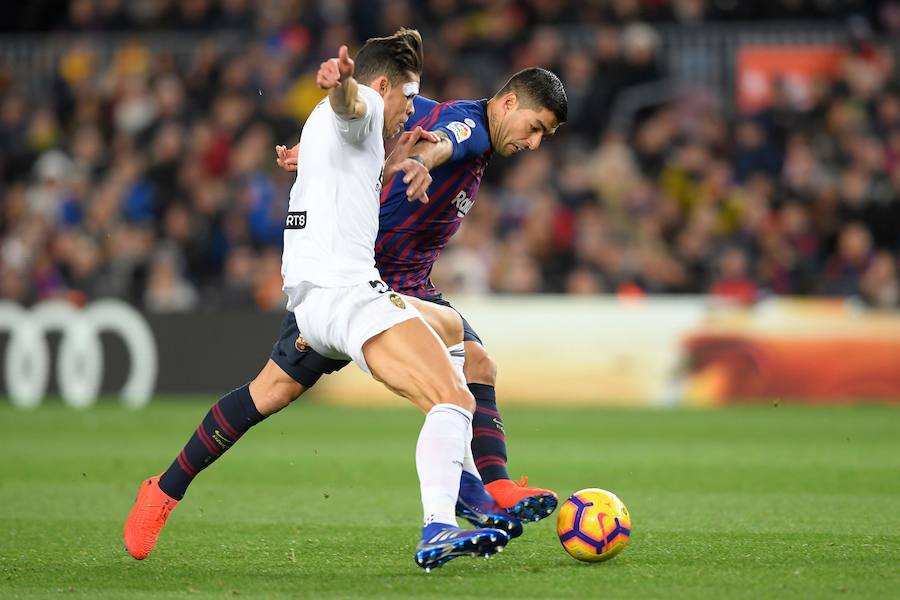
(164, 510)
(522, 482)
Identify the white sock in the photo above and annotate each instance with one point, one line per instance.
(468, 459)
(458, 358)
(440, 451)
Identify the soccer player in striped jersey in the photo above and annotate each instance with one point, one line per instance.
(346, 312)
(411, 236)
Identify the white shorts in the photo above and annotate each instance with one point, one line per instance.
(337, 321)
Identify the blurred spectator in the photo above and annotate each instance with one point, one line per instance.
(733, 283)
(844, 270)
(167, 290)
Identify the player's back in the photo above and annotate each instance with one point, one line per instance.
(332, 223)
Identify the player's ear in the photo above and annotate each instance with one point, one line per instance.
(382, 85)
(510, 102)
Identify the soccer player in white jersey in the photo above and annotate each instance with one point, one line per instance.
(343, 308)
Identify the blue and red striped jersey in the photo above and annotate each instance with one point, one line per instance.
(411, 235)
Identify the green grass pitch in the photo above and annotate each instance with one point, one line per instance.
(320, 502)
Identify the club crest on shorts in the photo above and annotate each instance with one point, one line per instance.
(397, 301)
(300, 344)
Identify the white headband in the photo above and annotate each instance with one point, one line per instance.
(411, 88)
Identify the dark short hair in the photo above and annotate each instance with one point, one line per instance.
(539, 88)
(394, 57)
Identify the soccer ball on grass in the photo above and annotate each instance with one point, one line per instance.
(593, 525)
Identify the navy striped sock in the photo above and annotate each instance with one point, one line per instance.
(223, 425)
(488, 437)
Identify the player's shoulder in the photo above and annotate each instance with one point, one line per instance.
(464, 120)
(463, 109)
(423, 104)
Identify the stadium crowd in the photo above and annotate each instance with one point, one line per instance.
(151, 176)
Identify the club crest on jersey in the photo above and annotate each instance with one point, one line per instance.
(300, 344)
(460, 131)
(397, 301)
(463, 203)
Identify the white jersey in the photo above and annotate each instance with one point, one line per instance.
(329, 236)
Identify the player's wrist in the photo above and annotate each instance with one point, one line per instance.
(418, 159)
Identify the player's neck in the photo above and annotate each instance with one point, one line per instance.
(493, 118)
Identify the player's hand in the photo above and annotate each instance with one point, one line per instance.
(335, 70)
(398, 148)
(416, 175)
(287, 159)
(417, 179)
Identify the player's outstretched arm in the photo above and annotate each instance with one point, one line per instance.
(416, 175)
(336, 76)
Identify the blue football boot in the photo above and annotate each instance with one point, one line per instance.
(441, 543)
(477, 507)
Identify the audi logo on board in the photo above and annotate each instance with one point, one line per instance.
(79, 365)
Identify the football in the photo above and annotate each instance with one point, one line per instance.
(593, 525)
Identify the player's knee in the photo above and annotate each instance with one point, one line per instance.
(479, 367)
(271, 396)
(461, 397)
(453, 327)
(449, 392)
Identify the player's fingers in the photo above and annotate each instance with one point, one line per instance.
(345, 63)
(419, 184)
(329, 75)
(411, 136)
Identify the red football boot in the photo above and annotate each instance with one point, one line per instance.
(148, 515)
(523, 502)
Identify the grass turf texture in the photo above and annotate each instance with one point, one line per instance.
(323, 502)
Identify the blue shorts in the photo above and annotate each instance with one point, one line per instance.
(306, 366)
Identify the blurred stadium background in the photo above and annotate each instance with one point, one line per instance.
(721, 161)
(717, 224)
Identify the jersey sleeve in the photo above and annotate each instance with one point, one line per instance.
(356, 130)
(467, 132)
(422, 108)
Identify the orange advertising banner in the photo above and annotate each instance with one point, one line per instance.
(760, 69)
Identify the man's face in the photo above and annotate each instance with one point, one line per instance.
(398, 104)
(521, 128)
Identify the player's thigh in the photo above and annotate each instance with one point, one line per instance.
(411, 360)
(445, 321)
(479, 366)
(292, 368)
